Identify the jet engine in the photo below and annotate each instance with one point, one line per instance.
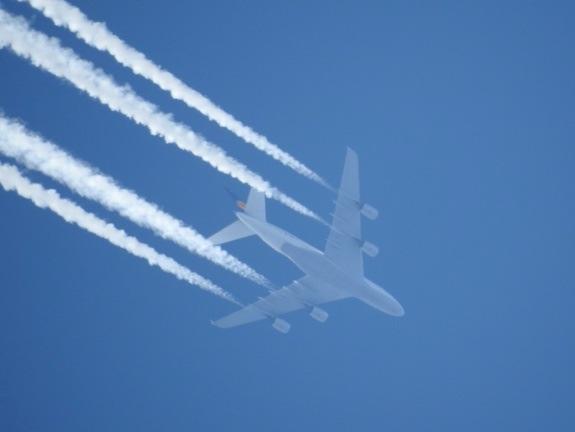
(369, 211)
(369, 249)
(319, 314)
(281, 325)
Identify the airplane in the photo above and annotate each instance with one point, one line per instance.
(334, 274)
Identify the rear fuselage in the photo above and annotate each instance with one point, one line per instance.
(314, 263)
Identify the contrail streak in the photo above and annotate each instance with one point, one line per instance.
(11, 179)
(98, 36)
(36, 153)
(47, 53)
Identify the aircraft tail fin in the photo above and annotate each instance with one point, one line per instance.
(256, 204)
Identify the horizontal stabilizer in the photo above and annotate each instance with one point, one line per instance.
(234, 231)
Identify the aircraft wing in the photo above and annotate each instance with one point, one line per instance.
(343, 245)
(300, 294)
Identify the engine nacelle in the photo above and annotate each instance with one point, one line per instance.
(369, 249)
(319, 314)
(369, 212)
(281, 325)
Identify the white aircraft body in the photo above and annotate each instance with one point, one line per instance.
(334, 274)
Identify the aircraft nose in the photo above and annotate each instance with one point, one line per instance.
(390, 305)
(397, 310)
(382, 300)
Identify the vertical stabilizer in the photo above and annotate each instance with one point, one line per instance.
(256, 205)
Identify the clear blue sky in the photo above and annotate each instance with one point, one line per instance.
(463, 117)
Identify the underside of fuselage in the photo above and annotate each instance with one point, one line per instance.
(315, 264)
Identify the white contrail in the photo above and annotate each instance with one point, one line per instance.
(97, 35)
(48, 54)
(11, 179)
(36, 153)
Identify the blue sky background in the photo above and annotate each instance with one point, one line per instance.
(463, 117)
